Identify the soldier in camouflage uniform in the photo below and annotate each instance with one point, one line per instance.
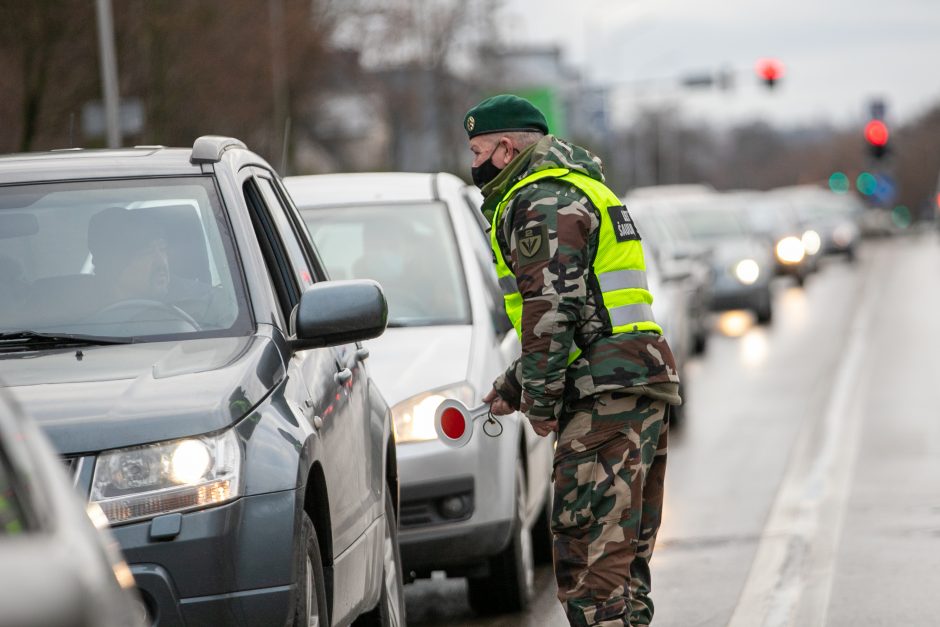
(607, 394)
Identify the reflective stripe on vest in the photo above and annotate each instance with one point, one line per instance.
(618, 266)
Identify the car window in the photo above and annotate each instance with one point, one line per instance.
(288, 235)
(483, 254)
(711, 222)
(12, 515)
(409, 248)
(132, 258)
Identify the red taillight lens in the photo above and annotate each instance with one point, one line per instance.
(453, 423)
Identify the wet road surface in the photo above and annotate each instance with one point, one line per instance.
(802, 488)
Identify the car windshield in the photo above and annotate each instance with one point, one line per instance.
(408, 248)
(712, 222)
(131, 259)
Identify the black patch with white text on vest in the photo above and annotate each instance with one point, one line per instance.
(624, 228)
(532, 244)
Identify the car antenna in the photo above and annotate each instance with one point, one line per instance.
(72, 129)
(283, 168)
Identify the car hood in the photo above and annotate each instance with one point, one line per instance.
(107, 397)
(406, 361)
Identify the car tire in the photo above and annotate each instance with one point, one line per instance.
(310, 605)
(765, 310)
(542, 537)
(390, 610)
(510, 584)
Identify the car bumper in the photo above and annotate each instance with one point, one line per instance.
(481, 475)
(732, 294)
(228, 565)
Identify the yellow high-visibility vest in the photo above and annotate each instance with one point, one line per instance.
(618, 265)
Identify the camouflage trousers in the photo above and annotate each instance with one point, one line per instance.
(610, 465)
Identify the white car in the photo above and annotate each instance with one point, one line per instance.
(481, 511)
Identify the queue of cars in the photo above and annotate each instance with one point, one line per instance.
(479, 512)
(242, 388)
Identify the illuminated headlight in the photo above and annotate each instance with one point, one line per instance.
(811, 242)
(414, 417)
(843, 235)
(790, 250)
(747, 271)
(146, 481)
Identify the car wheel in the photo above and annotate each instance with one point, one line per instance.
(310, 609)
(764, 310)
(542, 538)
(512, 573)
(390, 611)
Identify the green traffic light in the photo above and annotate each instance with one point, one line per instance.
(866, 183)
(839, 183)
(901, 217)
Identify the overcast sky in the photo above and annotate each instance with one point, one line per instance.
(838, 54)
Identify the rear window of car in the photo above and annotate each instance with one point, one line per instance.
(133, 258)
(709, 222)
(409, 248)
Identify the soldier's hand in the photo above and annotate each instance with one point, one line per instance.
(544, 427)
(498, 405)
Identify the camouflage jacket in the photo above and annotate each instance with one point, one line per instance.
(561, 296)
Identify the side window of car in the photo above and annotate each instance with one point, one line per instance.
(14, 510)
(288, 232)
(483, 254)
(283, 275)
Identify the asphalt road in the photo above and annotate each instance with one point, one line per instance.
(803, 488)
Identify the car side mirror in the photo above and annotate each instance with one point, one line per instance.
(338, 312)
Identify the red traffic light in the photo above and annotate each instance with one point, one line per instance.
(876, 133)
(769, 70)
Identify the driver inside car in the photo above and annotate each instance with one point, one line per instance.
(130, 256)
(132, 263)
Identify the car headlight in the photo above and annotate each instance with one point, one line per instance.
(747, 271)
(146, 481)
(789, 250)
(843, 235)
(811, 242)
(414, 417)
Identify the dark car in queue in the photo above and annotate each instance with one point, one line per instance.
(835, 218)
(773, 218)
(742, 266)
(169, 326)
(61, 566)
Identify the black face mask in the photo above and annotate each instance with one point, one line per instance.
(485, 172)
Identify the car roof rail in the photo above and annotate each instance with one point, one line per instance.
(209, 148)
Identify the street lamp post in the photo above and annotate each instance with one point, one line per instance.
(109, 80)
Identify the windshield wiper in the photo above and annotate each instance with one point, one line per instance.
(9, 339)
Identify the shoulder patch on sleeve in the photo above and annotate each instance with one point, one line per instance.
(532, 244)
(624, 228)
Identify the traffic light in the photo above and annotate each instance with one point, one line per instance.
(769, 71)
(876, 134)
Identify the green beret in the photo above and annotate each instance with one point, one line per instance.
(504, 113)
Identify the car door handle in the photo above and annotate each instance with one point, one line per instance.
(362, 353)
(343, 376)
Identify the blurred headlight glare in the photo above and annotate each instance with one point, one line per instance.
(146, 481)
(789, 250)
(843, 235)
(747, 271)
(414, 417)
(811, 242)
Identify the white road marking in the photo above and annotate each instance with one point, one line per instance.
(790, 580)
